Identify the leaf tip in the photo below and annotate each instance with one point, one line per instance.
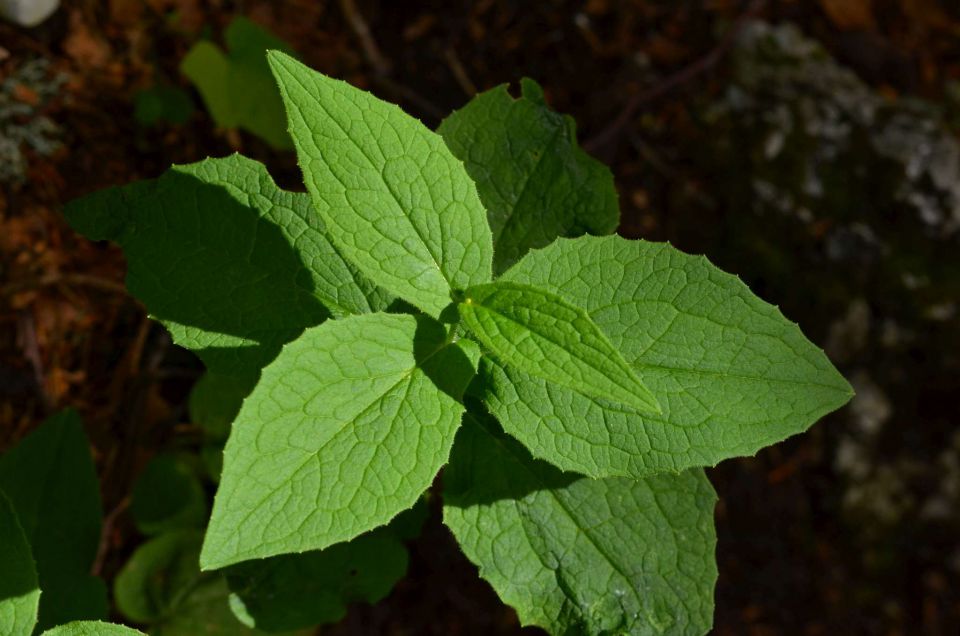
(210, 561)
(277, 61)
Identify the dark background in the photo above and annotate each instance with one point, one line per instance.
(808, 146)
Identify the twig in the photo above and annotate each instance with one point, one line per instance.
(681, 77)
(668, 172)
(139, 342)
(359, 26)
(409, 95)
(31, 350)
(80, 280)
(459, 73)
(104, 545)
(380, 65)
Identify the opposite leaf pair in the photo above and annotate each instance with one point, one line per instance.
(360, 414)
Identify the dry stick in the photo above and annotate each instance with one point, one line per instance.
(380, 64)
(119, 468)
(410, 95)
(31, 350)
(459, 72)
(705, 63)
(370, 49)
(80, 280)
(103, 547)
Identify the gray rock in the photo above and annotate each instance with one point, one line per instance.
(28, 13)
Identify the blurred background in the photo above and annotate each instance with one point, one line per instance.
(809, 146)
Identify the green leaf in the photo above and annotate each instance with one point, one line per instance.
(161, 585)
(346, 429)
(534, 180)
(159, 576)
(162, 103)
(209, 69)
(731, 374)
(542, 334)
(237, 87)
(295, 591)
(233, 266)
(577, 555)
(19, 589)
(397, 202)
(92, 628)
(214, 403)
(168, 496)
(51, 482)
(204, 612)
(216, 399)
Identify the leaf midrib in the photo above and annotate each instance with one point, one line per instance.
(528, 178)
(313, 455)
(379, 171)
(544, 487)
(553, 342)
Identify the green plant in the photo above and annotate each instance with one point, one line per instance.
(420, 308)
(236, 85)
(49, 532)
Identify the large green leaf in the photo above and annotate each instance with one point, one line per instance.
(50, 480)
(540, 333)
(534, 180)
(233, 266)
(582, 556)
(397, 202)
(731, 374)
(296, 591)
(236, 86)
(346, 429)
(92, 628)
(19, 589)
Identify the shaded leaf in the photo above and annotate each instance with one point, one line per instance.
(158, 576)
(295, 591)
(535, 181)
(162, 103)
(236, 86)
(19, 589)
(577, 555)
(233, 266)
(161, 585)
(50, 480)
(167, 496)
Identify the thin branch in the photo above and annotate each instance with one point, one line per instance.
(27, 337)
(103, 547)
(681, 77)
(360, 28)
(380, 64)
(410, 95)
(79, 280)
(459, 72)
